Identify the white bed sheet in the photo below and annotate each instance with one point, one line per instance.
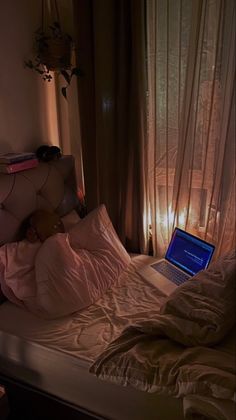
(87, 333)
(54, 356)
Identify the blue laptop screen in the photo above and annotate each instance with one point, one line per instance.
(188, 252)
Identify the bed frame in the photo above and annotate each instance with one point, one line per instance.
(28, 403)
(50, 186)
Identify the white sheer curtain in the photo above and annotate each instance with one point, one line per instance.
(191, 121)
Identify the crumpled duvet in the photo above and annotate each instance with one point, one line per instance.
(66, 273)
(207, 408)
(158, 364)
(182, 350)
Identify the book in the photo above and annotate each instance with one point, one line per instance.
(16, 157)
(18, 166)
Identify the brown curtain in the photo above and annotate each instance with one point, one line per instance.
(110, 37)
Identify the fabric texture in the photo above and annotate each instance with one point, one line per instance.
(182, 349)
(204, 306)
(70, 219)
(196, 407)
(17, 274)
(191, 122)
(96, 231)
(112, 110)
(163, 110)
(158, 364)
(66, 273)
(86, 334)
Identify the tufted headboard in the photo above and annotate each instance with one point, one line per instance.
(49, 186)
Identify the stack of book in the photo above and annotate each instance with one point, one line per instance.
(15, 162)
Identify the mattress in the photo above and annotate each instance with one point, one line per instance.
(54, 356)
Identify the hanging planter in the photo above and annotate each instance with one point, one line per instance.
(53, 53)
(56, 54)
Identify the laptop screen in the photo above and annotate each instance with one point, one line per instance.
(188, 252)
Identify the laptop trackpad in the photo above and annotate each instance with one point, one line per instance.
(157, 280)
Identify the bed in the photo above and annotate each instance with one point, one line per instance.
(53, 367)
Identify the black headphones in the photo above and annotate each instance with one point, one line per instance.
(46, 153)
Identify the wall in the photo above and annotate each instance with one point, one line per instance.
(22, 91)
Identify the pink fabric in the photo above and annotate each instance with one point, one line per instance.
(96, 232)
(17, 270)
(66, 273)
(70, 220)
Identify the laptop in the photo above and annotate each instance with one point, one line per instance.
(186, 256)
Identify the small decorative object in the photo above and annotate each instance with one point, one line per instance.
(53, 52)
(47, 153)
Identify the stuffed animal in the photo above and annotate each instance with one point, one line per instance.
(42, 224)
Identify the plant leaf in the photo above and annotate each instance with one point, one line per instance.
(63, 91)
(39, 71)
(75, 71)
(66, 76)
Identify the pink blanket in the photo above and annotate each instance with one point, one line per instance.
(66, 273)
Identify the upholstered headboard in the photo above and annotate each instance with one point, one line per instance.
(50, 186)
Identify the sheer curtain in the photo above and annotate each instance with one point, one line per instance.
(191, 121)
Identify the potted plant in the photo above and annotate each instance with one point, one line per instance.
(53, 53)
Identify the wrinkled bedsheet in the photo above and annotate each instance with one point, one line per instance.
(131, 301)
(202, 408)
(155, 363)
(164, 354)
(203, 377)
(86, 334)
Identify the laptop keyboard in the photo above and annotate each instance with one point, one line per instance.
(170, 272)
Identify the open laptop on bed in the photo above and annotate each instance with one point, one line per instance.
(186, 256)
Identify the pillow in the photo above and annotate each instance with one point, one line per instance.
(74, 270)
(42, 224)
(70, 219)
(17, 270)
(205, 304)
(96, 231)
(67, 272)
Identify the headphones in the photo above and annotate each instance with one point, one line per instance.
(46, 153)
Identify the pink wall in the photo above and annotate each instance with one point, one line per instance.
(21, 90)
